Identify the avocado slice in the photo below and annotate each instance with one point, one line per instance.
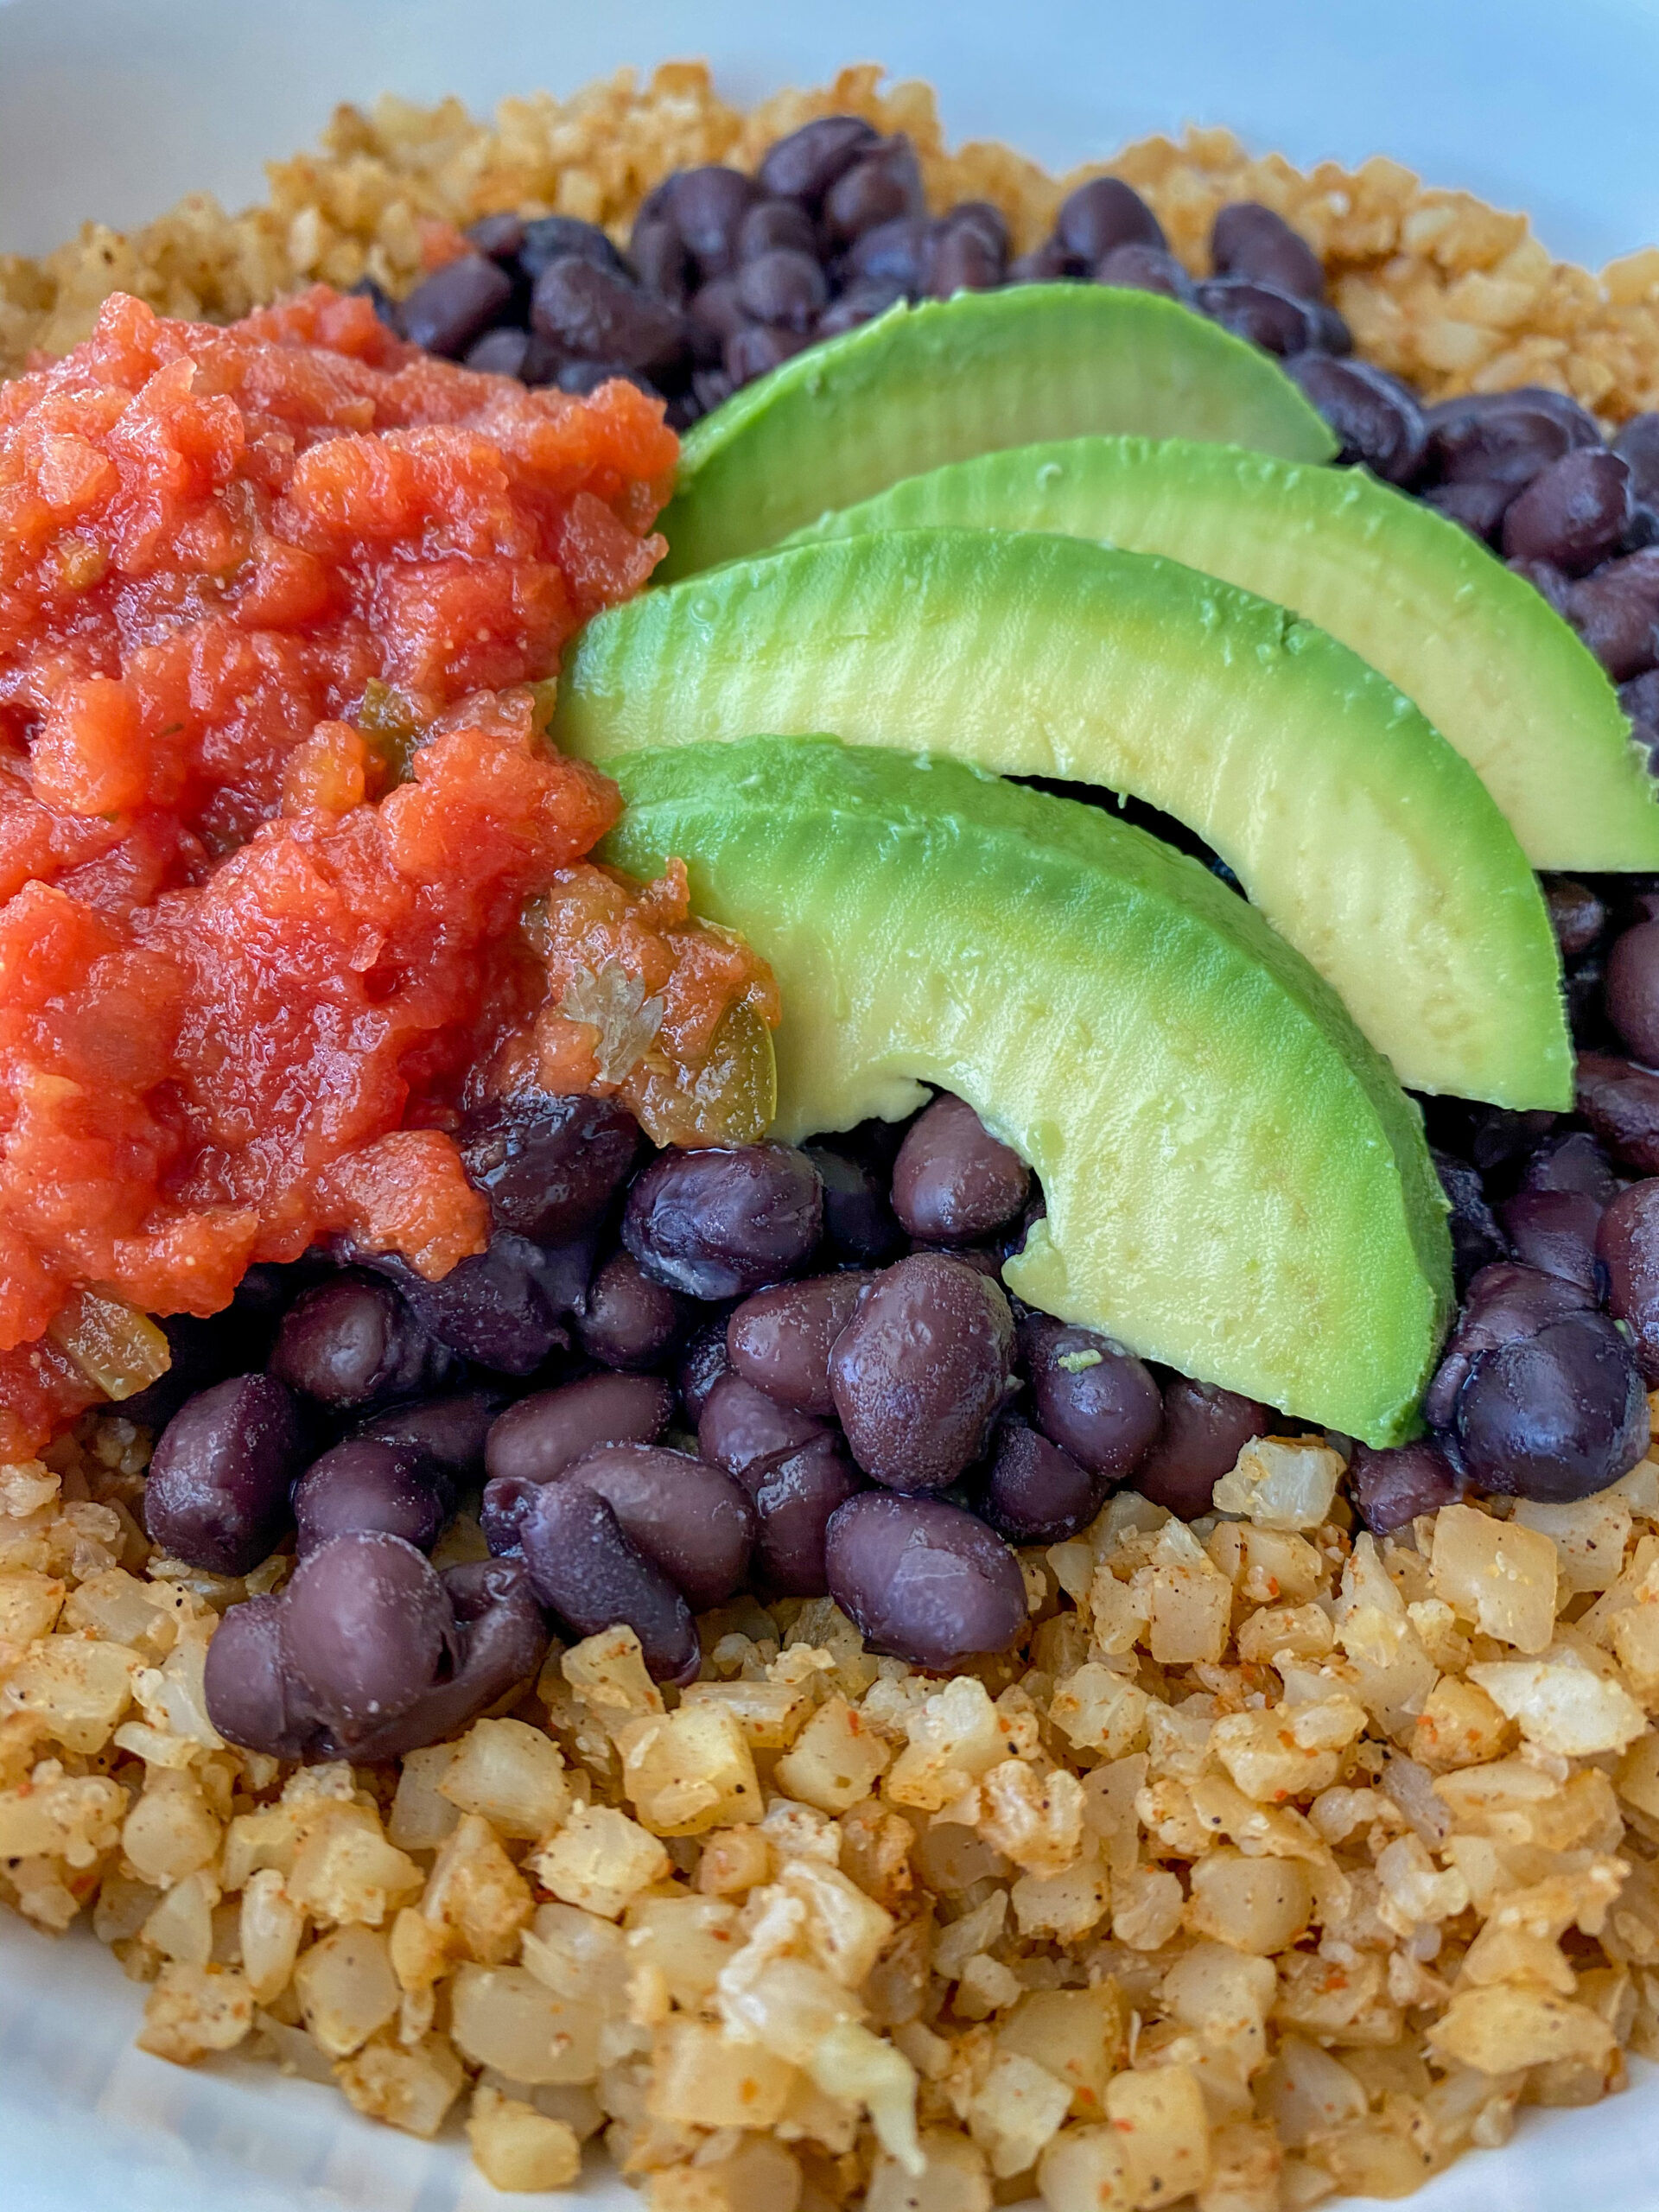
(1235, 1182)
(927, 384)
(1489, 661)
(1365, 840)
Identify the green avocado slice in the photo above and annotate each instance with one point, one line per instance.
(1489, 661)
(936, 383)
(1235, 1182)
(1364, 839)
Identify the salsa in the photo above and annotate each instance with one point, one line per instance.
(286, 864)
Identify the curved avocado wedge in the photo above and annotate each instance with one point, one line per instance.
(923, 386)
(1235, 1182)
(1489, 661)
(1364, 839)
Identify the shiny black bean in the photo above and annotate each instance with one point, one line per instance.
(715, 315)
(1549, 582)
(784, 288)
(1573, 513)
(450, 1430)
(627, 1320)
(1504, 1304)
(582, 1567)
(454, 305)
(793, 1504)
(502, 1640)
(548, 1166)
(880, 185)
(502, 1308)
(1103, 213)
(365, 1628)
(1334, 334)
(1506, 437)
(541, 1436)
(771, 223)
(702, 1364)
(953, 1182)
(1556, 1231)
(1629, 1246)
(1479, 504)
(1089, 1397)
(860, 303)
(660, 259)
(217, 1489)
(755, 351)
(1576, 914)
(1205, 1430)
(1632, 992)
(1044, 264)
(1391, 1487)
(1493, 1137)
(923, 1580)
(353, 1340)
(235, 1341)
(501, 353)
(706, 206)
(506, 1500)
(593, 315)
(580, 378)
(922, 1370)
(1376, 417)
(250, 1698)
(807, 163)
(717, 1224)
(858, 1221)
(549, 238)
(1266, 316)
(1615, 611)
(1033, 1492)
(746, 1432)
(893, 255)
(1556, 1416)
(780, 1338)
(365, 1484)
(1476, 1238)
(968, 250)
(1636, 444)
(695, 1522)
(1621, 1104)
(1250, 240)
(1571, 1161)
(499, 237)
(1146, 269)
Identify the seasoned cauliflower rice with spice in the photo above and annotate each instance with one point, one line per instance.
(1275, 1860)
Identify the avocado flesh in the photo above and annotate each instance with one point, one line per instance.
(1364, 839)
(1489, 661)
(1235, 1182)
(923, 386)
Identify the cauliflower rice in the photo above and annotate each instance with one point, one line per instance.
(1281, 1862)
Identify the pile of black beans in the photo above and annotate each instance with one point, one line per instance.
(672, 1376)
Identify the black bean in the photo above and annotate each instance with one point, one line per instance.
(747, 1431)
(1636, 444)
(968, 250)
(365, 1628)
(501, 353)
(1576, 914)
(364, 1484)
(715, 315)
(659, 255)
(858, 1222)
(450, 1430)
(1205, 1430)
(584, 1568)
(595, 315)
(385, 307)
(953, 1182)
(701, 1365)
(1573, 513)
(250, 1697)
(717, 1224)
(923, 1580)
(1628, 1247)
(1089, 1397)
(502, 1640)
(1044, 264)
(1504, 437)
(548, 1166)
(1334, 333)
(755, 351)
(1556, 1231)
(807, 163)
(706, 205)
(503, 1306)
(711, 388)
(1615, 611)
(1504, 1304)
(1033, 1492)
(353, 1340)
(893, 255)
(695, 1522)
(1479, 504)
(780, 1338)
(860, 303)
(922, 1370)
(217, 1489)
(1571, 1161)
(1250, 240)
(1556, 1416)
(1631, 993)
(1146, 269)
(1551, 583)
(1476, 1238)
(1391, 1487)
(793, 1502)
(1266, 316)
(501, 238)
(549, 238)
(770, 223)
(878, 186)
(1492, 1137)
(783, 287)
(627, 1320)
(1621, 1104)
(582, 378)
(1102, 213)
(235, 1341)
(455, 304)
(541, 1436)
(1376, 417)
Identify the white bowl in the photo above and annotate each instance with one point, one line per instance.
(110, 109)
